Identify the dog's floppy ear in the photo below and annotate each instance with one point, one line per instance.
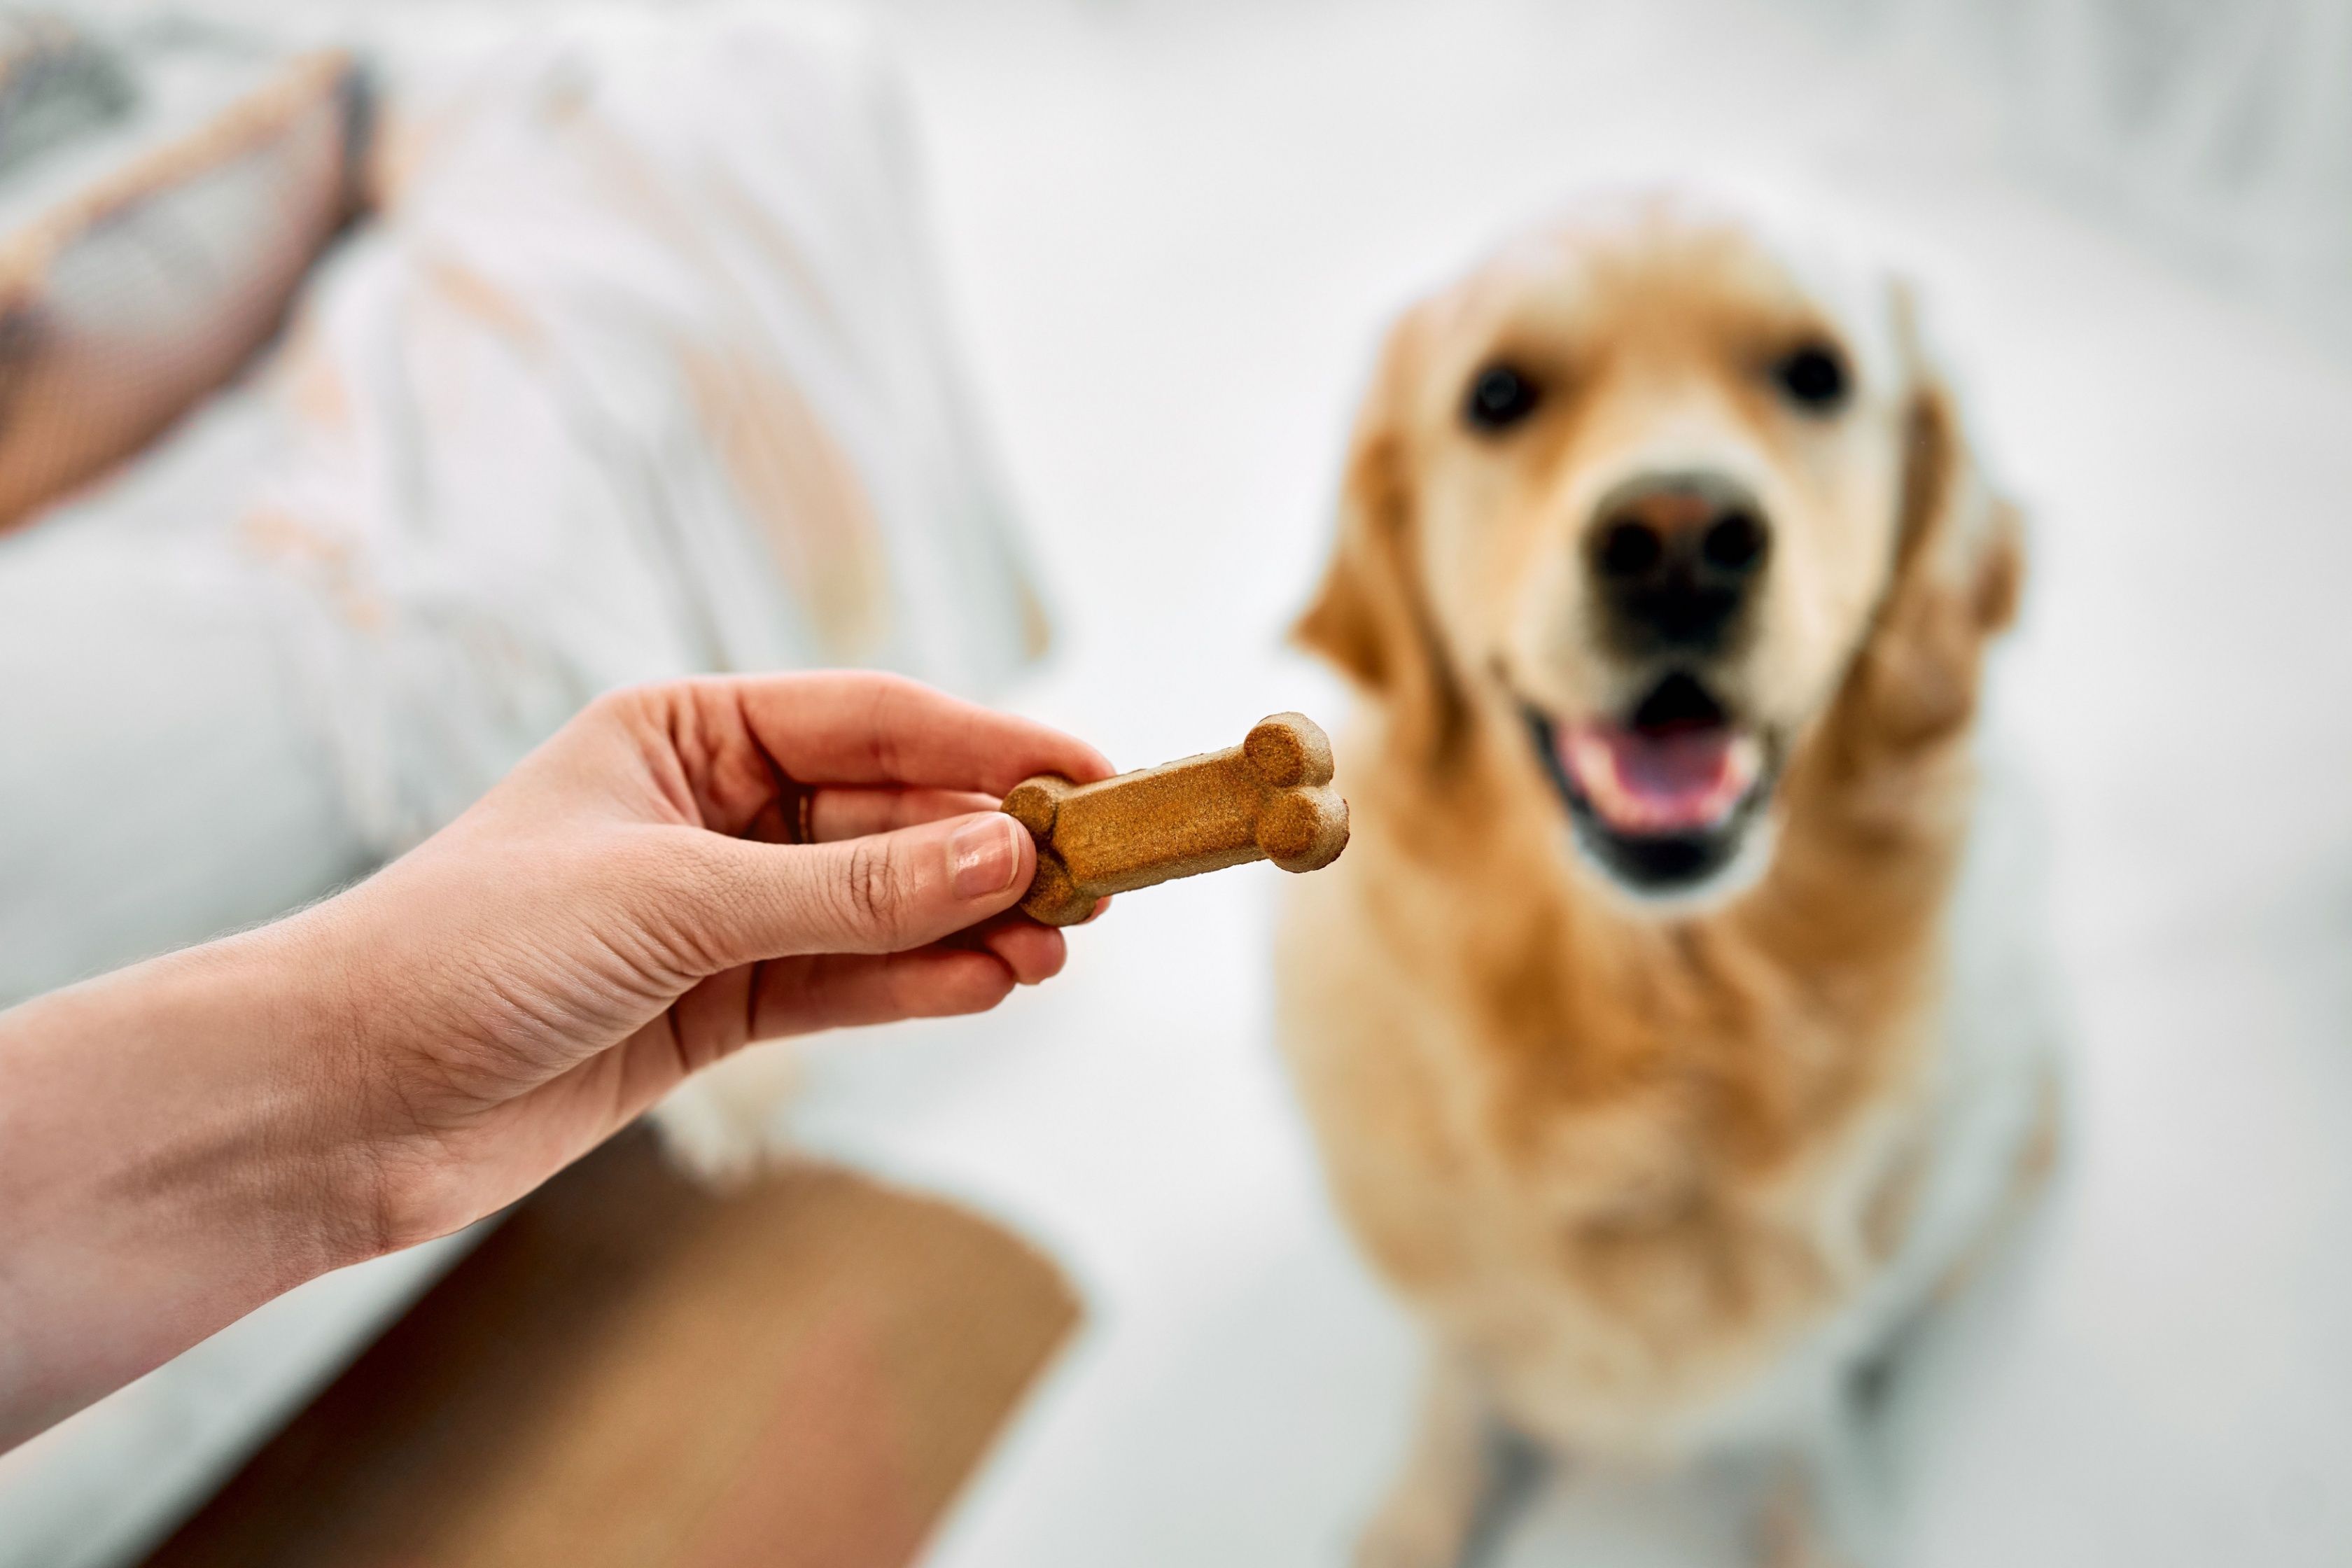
(1371, 616)
(1959, 570)
(1956, 530)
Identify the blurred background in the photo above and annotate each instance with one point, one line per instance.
(1157, 245)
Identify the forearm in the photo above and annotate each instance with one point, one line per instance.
(175, 1149)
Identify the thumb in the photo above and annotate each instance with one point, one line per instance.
(886, 892)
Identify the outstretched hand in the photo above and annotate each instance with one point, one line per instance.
(681, 870)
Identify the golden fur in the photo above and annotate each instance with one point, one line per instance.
(1627, 1159)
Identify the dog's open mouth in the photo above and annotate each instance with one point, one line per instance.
(1662, 798)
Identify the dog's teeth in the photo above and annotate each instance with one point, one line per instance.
(1744, 763)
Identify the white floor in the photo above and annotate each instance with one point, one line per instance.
(1175, 231)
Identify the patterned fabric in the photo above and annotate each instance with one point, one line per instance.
(640, 374)
(158, 209)
(635, 369)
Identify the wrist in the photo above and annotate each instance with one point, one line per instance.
(174, 1151)
(320, 1129)
(266, 1136)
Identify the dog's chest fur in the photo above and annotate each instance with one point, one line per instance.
(1634, 1166)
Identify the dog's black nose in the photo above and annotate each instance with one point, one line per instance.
(1673, 559)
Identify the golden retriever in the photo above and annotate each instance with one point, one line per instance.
(1627, 1023)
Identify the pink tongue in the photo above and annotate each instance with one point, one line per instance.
(1679, 782)
(1667, 769)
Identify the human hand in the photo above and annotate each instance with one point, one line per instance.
(631, 904)
(681, 869)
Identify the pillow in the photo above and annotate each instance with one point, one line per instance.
(158, 207)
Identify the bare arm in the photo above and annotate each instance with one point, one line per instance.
(185, 1139)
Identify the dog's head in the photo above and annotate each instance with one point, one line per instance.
(1647, 490)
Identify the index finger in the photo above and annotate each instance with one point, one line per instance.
(857, 727)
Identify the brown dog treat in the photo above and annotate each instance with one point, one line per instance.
(1269, 798)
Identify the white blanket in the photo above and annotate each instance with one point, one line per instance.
(638, 372)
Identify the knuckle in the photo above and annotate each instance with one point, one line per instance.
(730, 909)
(676, 902)
(875, 891)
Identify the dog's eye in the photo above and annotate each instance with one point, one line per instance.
(1813, 377)
(1499, 398)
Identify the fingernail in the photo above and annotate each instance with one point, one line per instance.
(984, 857)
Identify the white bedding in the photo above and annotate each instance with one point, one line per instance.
(638, 372)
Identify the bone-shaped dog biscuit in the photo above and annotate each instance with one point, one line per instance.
(1269, 798)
